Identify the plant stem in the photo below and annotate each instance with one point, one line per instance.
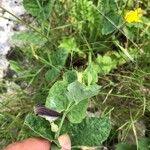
(62, 120)
(61, 123)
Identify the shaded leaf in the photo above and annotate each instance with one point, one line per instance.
(58, 57)
(125, 146)
(109, 25)
(90, 132)
(38, 8)
(78, 113)
(144, 144)
(52, 74)
(70, 76)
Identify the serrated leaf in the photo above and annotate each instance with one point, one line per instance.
(38, 8)
(57, 99)
(78, 92)
(78, 113)
(70, 76)
(40, 126)
(90, 132)
(30, 38)
(52, 74)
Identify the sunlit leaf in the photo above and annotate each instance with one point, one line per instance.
(57, 99)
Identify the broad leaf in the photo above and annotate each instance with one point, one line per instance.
(144, 143)
(38, 8)
(57, 99)
(58, 57)
(78, 92)
(40, 126)
(126, 146)
(110, 23)
(90, 132)
(78, 113)
(70, 76)
(52, 74)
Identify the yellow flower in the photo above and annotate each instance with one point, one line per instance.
(134, 15)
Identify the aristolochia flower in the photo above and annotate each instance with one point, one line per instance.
(134, 15)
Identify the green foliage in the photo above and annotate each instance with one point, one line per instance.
(72, 100)
(125, 146)
(70, 76)
(57, 60)
(57, 99)
(38, 8)
(90, 132)
(30, 38)
(58, 57)
(55, 44)
(62, 94)
(102, 65)
(84, 16)
(143, 144)
(77, 92)
(15, 66)
(39, 126)
(52, 74)
(78, 112)
(110, 22)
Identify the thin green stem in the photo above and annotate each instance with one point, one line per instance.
(63, 118)
(61, 123)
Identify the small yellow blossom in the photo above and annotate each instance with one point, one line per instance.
(134, 15)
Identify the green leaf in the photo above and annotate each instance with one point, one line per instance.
(15, 66)
(90, 132)
(38, 8)
(125, 146)
(52, 74)
(110, 23)
(69, 44)
(40, 126)
(144, 144)
(106, 64)
(90, 75)
(78, 92)
(58, 57)
(70, 76)
(57, 99)
(58, 60)
(78, 113)
(30, 38)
